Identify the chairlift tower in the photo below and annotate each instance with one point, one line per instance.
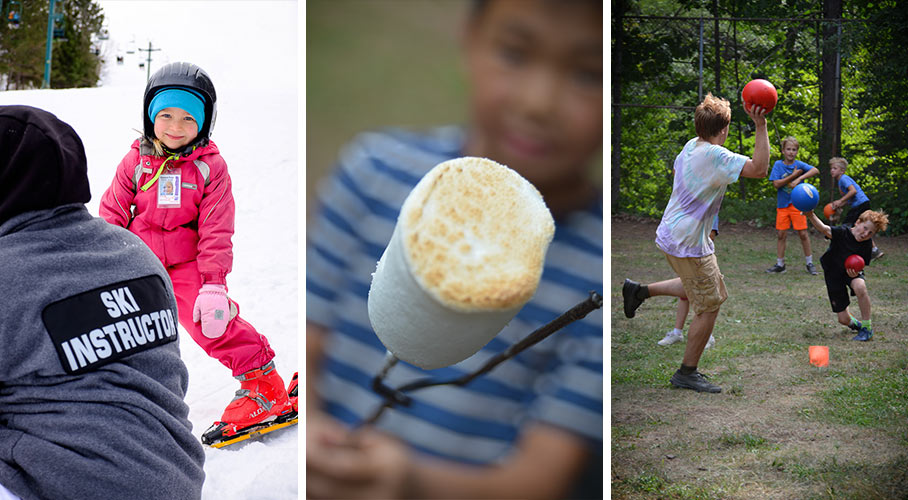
(49, 51)
(148, 64)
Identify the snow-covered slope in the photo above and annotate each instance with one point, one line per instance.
(250, 51)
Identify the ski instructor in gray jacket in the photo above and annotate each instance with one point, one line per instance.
(91, 380)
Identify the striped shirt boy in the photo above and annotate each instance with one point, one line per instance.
(558, 381)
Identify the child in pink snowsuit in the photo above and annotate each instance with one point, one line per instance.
(172, 190)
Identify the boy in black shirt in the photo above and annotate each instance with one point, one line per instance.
(844, 242)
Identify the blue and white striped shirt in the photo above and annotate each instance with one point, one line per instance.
(558, 381)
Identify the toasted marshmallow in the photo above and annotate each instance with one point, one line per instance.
(467, 253)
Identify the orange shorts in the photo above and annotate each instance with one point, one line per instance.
(790, 217)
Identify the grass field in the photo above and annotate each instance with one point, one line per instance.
(781, 428)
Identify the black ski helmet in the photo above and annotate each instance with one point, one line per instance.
(185, 75)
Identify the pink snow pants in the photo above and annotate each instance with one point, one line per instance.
(241, 348)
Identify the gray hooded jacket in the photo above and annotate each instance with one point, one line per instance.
(91, 380)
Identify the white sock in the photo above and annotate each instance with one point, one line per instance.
(675, 331)
(809, 259)
(780, 262)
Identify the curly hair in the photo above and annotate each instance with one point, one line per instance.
(711, 116)
(878, 219)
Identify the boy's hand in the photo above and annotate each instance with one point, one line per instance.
(757, 114)
(851, 272)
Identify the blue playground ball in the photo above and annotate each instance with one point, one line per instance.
(805, 197)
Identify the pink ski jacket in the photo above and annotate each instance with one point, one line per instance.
(198, 229)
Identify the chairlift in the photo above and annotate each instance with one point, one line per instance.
(59, 26)
(13, 13)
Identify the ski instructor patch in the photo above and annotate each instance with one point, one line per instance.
(100, 326)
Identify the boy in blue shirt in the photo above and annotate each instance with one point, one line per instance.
(786, 174)
(852, 195)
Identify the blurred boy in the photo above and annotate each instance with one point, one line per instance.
(786, 174)
(703, 170)
(852, 195)
(844, 242)
(531, 426)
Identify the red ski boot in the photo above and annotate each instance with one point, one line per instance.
(293, 391)
(260, 405)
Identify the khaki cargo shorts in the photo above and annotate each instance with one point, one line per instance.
(702, 280)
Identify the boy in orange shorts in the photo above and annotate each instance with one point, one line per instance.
(786, 174)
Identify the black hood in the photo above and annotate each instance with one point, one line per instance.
(42, 162)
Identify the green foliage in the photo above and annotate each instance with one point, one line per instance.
(23, 46)
(660, 60)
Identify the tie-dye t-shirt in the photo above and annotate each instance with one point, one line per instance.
(702, 172)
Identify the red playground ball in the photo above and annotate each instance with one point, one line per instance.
(760, 92)
(805, 197)
(828, 210)
(855, 262)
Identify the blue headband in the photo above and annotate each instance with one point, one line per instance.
(185, 99)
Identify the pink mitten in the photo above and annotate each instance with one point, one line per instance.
(212, 309)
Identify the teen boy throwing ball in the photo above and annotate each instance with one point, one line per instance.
(844, 242)
(703, 170)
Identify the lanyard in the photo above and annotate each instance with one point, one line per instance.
(150, 183)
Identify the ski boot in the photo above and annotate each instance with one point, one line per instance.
(293, 392)
(260, 406)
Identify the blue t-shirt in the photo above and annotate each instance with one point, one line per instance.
(859, 196)
(702, 172)
(558, 381)
(780, 171)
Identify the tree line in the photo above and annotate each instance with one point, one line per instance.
(841, 71)
(76, 60)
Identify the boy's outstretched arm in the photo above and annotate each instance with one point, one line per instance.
(758, 166)
(817, 223)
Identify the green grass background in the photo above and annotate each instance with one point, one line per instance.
(377, 63)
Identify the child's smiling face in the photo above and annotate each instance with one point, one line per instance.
(175, 127)
(535, 70)
(863, 230)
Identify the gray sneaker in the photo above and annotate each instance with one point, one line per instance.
(876, 253)
(776, 269)
(696, 381)
(811, 269)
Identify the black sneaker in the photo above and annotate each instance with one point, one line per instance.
(876, 254)
(776, 269)
(696, 381)
(811, 269)
(631, 302)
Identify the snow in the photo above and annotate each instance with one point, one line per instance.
(250, 51)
